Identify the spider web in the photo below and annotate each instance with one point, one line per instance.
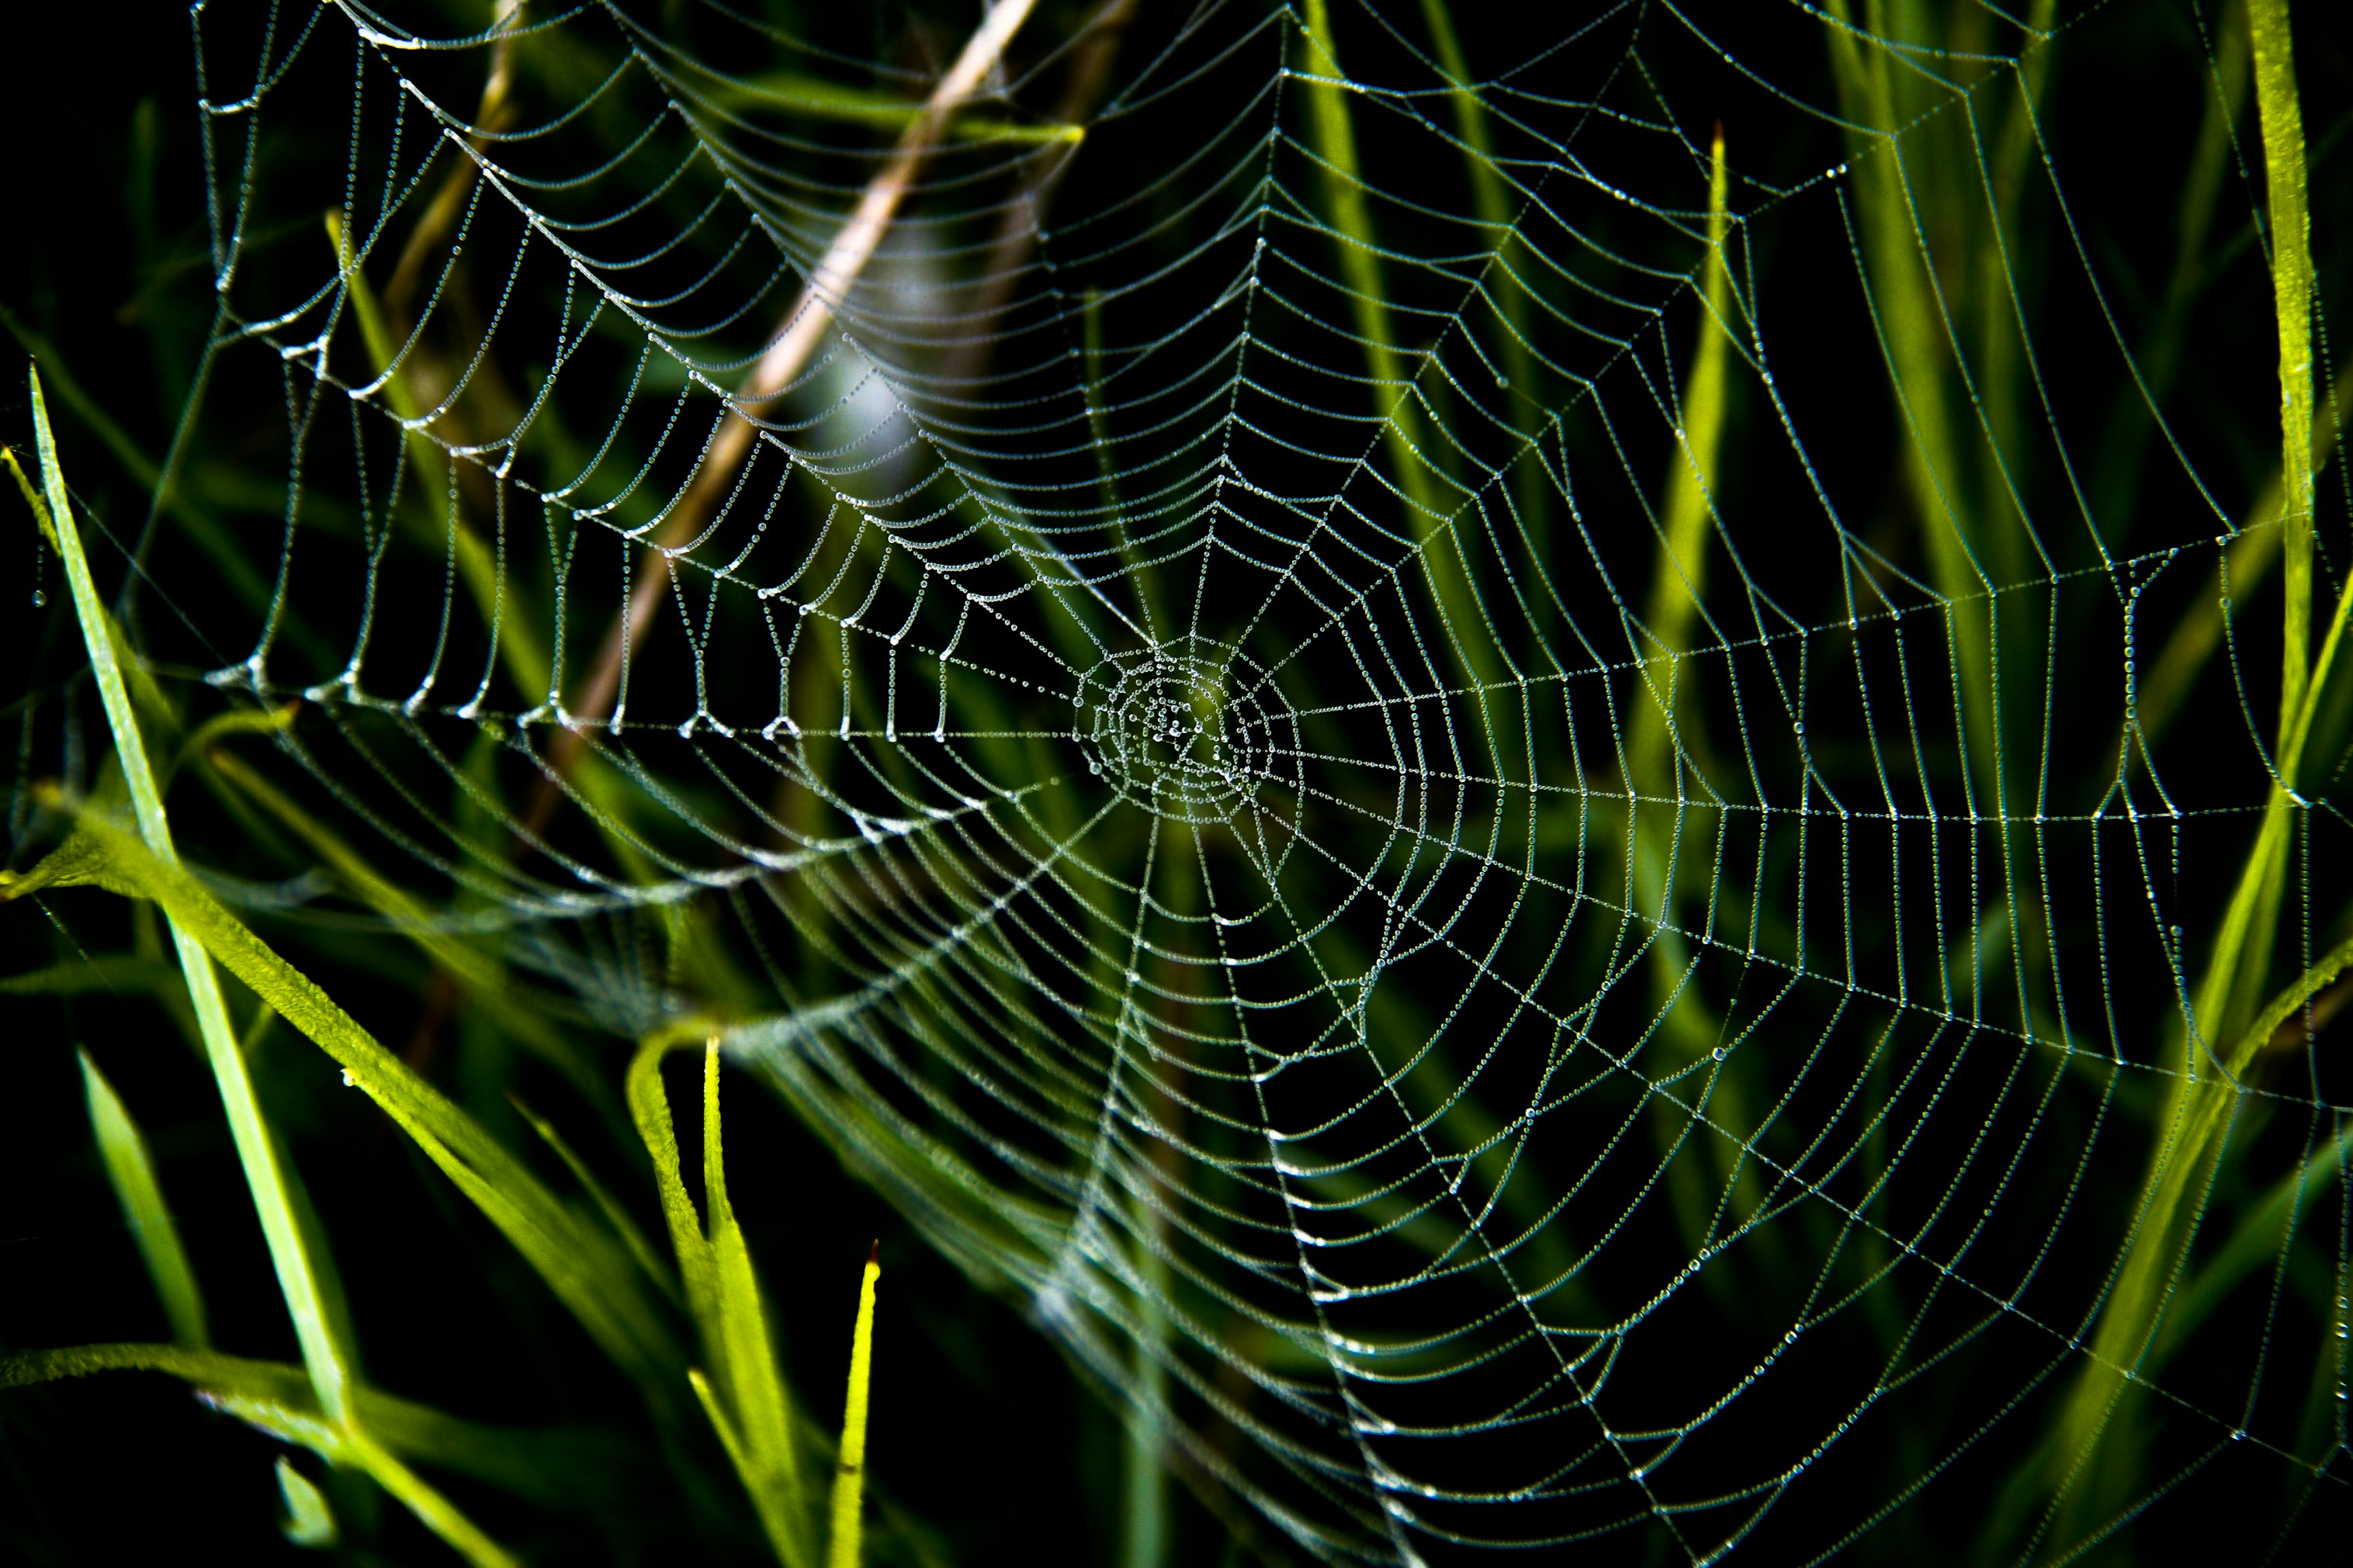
(1493, 976)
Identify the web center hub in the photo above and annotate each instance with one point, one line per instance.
(1190, 736)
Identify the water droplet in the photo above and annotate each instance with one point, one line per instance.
(1718, 1053)
(40, 599)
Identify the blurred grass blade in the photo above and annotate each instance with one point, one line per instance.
(270, 1182)
(309, 1521)
(1395, 379)
(577, 1259)
(481, 975)
(624, 1224)
(132, 1173)
(2202, 1102)
(554, 1467)
(146, 696)
(756, 1387)
(476, 561)
(850, 1474)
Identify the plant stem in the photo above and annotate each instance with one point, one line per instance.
(298, 1272)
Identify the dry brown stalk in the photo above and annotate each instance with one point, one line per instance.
(804, 325)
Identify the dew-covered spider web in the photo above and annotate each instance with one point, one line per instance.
(1523, 812)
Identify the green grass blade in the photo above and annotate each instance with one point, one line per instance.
(2241, 957)
(132, 1173)
(850, 1474)
(345, 1443)
(1679, 581)
(298, 1270)
(309, 1521)
(2281, 113)
(113, 971)
(437, 1513)
(1332, 138)
(754, 1385)
(649, 1108)
(476, 561)
(743, 1393)
(576, 1258)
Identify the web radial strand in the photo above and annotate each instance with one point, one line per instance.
(1498, 970)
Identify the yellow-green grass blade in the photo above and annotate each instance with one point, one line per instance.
(756, 1387)
(849, 1473)
(649, 1108)
(268, 1180)
(2210, 1063)
(2281, 113)
(343, 1443)
(578, 1259)
(309, 1521)
(132, 1173)
(743, 1392)
(1663, 738)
